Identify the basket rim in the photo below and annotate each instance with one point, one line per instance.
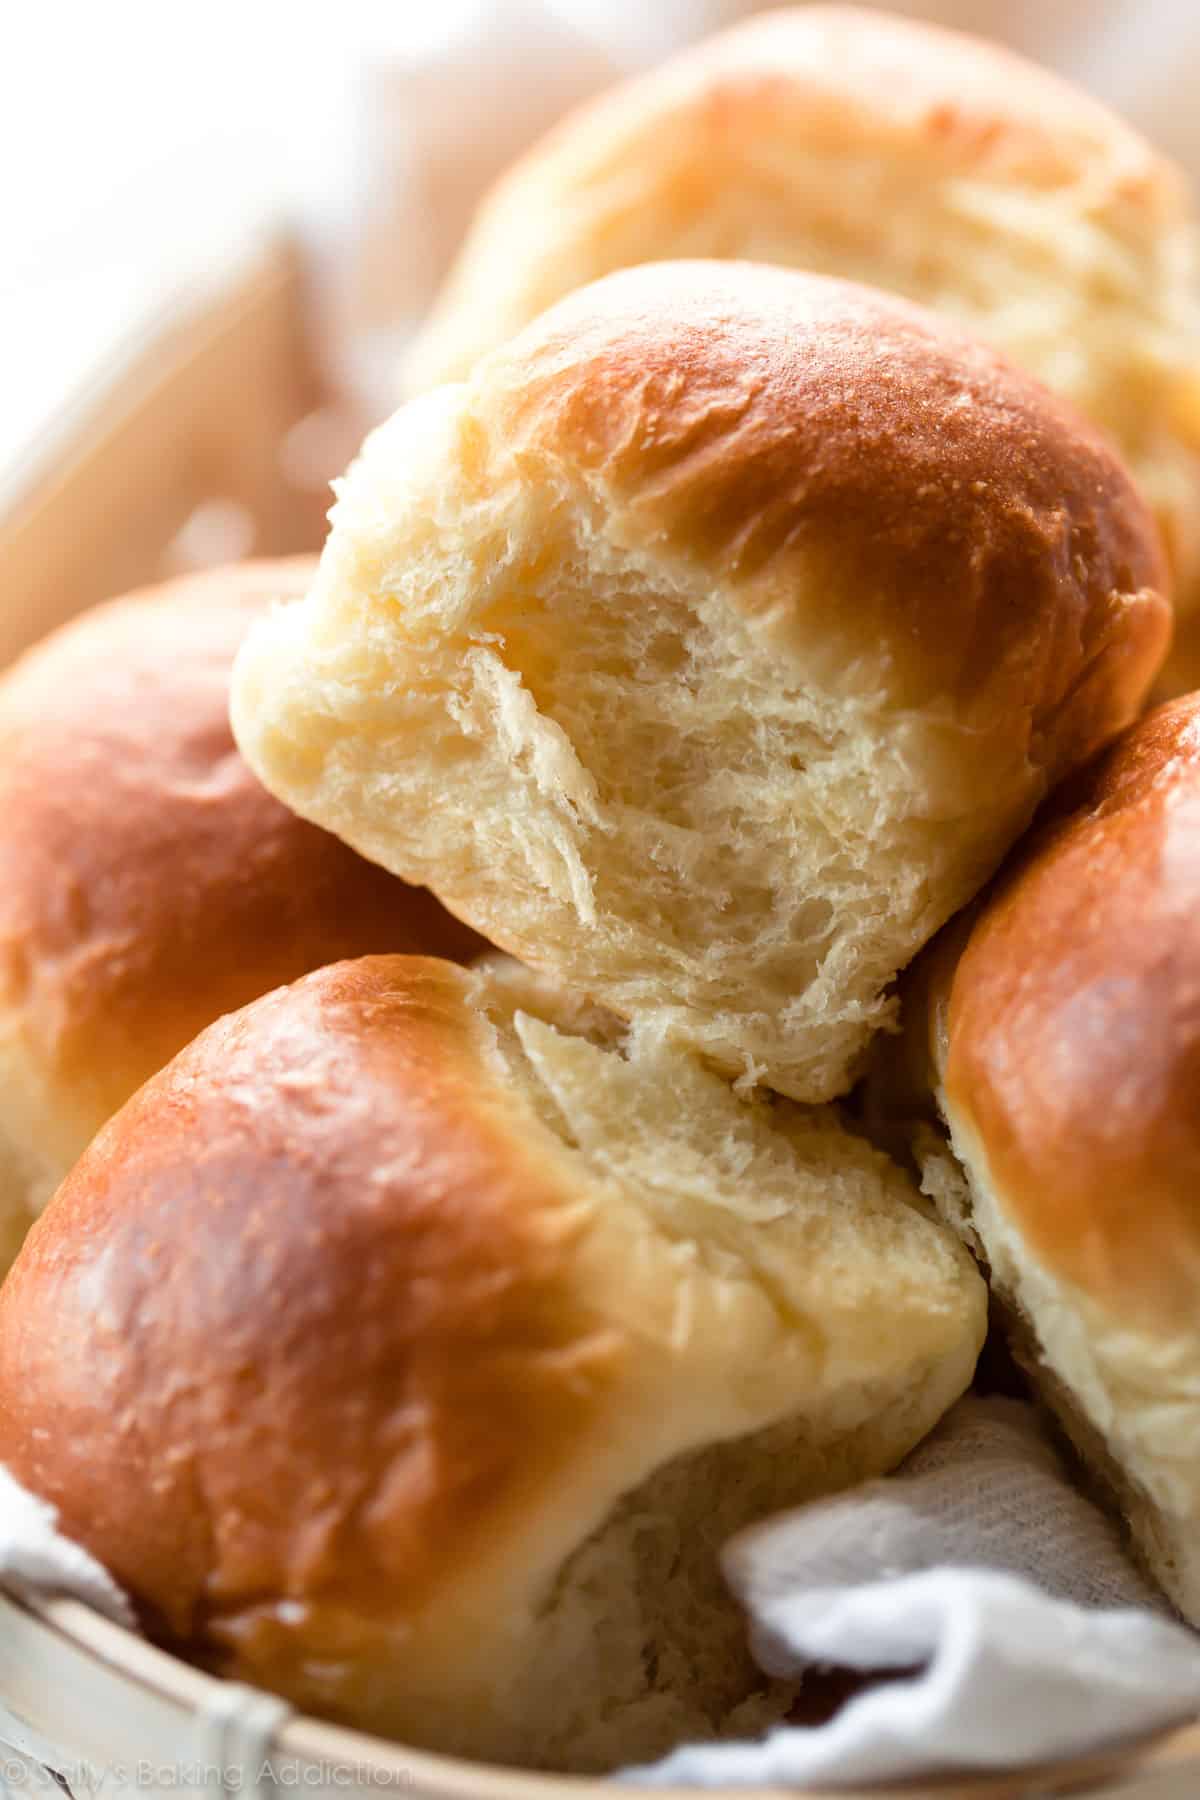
(442, 1777)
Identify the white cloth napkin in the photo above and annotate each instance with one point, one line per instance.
(36, 1558)
(1023, 1630)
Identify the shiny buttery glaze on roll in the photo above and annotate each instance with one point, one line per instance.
(1064, 1042)
(148, 882)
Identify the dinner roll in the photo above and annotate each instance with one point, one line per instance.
(147, 881)
(710, 645)
(1062, 1034)
(413, 1341)
(893, 153)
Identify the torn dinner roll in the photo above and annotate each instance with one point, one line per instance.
(708, 648)
(413, 1342)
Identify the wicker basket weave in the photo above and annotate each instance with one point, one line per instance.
(111, 1716)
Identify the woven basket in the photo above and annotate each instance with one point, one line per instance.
(110, 1715)
(199, 420)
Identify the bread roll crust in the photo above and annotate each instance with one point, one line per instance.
(1059, 1028)
(1070, 1034)
(148, 881)
(245, 1184)
(348, 1330)
(752, 423)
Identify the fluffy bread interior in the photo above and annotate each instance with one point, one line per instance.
(588, 753)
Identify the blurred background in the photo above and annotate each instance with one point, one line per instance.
(221, 222)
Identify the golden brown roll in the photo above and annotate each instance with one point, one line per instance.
(412, 1342)
(148, 882)
(1062, 1032)
(889, 152)
(710, 646)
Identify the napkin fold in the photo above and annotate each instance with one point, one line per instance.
(36, 1558)
(1023, 1631)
